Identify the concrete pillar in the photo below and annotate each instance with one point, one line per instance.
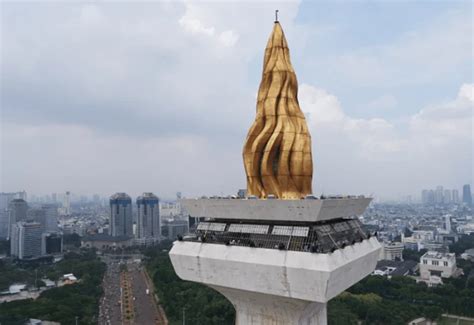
(254, 308)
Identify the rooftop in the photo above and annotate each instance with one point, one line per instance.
(306, 210)
(438, 255)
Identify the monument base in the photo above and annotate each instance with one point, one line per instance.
(262, 309)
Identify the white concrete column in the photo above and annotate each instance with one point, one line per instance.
(254, 308)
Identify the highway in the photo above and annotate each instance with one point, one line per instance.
(124, 286)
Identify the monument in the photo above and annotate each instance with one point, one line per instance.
(280, 254)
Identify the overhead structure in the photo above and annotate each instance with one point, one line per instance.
(277, 151)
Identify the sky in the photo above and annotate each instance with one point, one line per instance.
(105, 97)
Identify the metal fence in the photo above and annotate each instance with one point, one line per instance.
(317, 238)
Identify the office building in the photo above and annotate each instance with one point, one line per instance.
(17, 211)
(436, 265)
(392, 251)
(447, 197)
(455, 196)
(121, 218)
(51, 243)
(5, 199)
(148, 217)
(67, 203)
(25, 241)
(466, 195)
(51, 217)
(447, 223)
(439, 195)
(174, 228)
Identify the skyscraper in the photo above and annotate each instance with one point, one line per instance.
(447, 223)
(17, 211)
(439, 195)
(447, 198)
(50, 217)
(26, 239)
(148, 221)
(67, 203)
(466, 194)
(455, 196)
(121, 218)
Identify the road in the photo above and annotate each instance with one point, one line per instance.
(146, 311)
(125, 288)
(109, 309)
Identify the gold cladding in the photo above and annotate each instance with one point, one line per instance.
(277, 151)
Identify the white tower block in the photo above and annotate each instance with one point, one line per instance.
(268, 285)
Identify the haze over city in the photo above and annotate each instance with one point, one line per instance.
(100, 98)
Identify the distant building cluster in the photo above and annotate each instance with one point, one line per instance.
(150, 222)
(33, 231)
(444, 196)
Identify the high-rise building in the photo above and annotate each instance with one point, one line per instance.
(431, 197)
(5, 199)
(447, 198)
(67, 203)
(424, 197)
(25, 241)
(37, 215)
(121, 218)
(17, 211)
(439, 195)
(51, 217)
(455, 195)
(466, 194)
(51, 243)
(46, 215)
(148, 218)
(447, 223)
(4, 222)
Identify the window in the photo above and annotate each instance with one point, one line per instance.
(425, 261)
(445, 263)
(436, 263)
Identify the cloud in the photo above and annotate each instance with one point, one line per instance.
(436, 149)
(374, 136)
(422, 55)
(195, 26)
(111, 96)
(447, 123)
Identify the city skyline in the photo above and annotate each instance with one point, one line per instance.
(97, 113)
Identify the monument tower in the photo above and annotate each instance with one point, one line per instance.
(280, 254)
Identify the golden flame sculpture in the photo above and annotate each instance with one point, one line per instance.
(277, 151)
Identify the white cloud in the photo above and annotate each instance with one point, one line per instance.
(373, 136)
(442, 46)
(195, 26)
(107, 97)
(229, 38)
(436, 147)
(447, 122)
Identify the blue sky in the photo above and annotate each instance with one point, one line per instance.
(162, 94)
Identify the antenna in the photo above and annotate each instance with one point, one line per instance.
(276, 16)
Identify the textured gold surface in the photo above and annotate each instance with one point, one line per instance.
(277, 151)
